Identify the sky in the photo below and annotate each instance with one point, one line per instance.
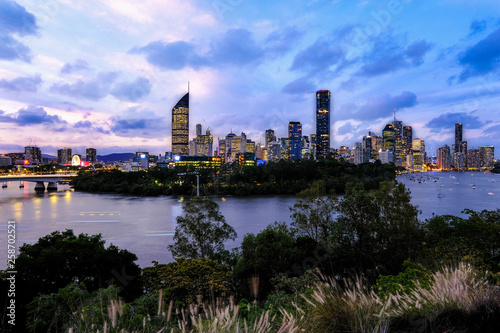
(106, 74)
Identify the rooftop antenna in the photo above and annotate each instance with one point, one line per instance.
(188, 87)
(394, 114)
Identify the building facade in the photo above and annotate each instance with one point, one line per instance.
(180, 127)
(33, 154)
(64, 156)
(322, 123)
(91, 155)
(294, 140)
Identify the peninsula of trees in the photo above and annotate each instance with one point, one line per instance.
(283, 177)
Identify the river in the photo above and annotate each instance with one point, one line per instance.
(145, 225)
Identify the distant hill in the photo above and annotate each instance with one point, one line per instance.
(115, 157)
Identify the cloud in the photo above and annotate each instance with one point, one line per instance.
(15, 20)
(299, 86)
(77, 66)
(347, 128)
(416, 52)
(83, 124)
(235, 47)
(26, 83)
(389, 55)
(104, 84)
(493, 130)
(382, 106)
(139, 123)
(446, 122)
(280, 42)
(132, 91)
(477, 27)
(31, 115)
(481, 58)
(171, 56)
(94, 89)
(321, 55)
(88, 126)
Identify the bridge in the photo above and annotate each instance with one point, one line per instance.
(39, 179)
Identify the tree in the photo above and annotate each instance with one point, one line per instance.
(477, 238)
(202, 231)
(185, 279)
(313, 213)
(273, 251)
(61, 258)
(374, 232)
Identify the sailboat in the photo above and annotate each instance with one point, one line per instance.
(472, 184)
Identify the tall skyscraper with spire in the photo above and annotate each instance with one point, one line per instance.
(180, 127)
(322, 123)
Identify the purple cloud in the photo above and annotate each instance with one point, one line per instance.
(481, 58)
(446, 122)
(26, 83)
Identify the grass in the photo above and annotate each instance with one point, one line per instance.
(458, 299)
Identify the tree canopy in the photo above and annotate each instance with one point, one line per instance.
(202, 231)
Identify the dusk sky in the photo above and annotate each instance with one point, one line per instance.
(106, 74)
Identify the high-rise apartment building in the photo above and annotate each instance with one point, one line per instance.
(419, 156)
(91, 155)
(473, 159)
(64, 155)
(486, 156)
(443, 161)
(270, 137)
(204, 144)
(322, 123)
(33, 154)
(180, 127)
(358, 156)
(389, 139)
(398, 127)
(407, 138)
(367, 148)
(295, 140)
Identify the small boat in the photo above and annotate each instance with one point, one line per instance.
(21, 185)
(4, 185)
(491, 193)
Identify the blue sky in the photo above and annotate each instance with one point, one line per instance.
(107, 74)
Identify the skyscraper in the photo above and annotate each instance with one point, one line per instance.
(295, 140)
(180, 127)
(33, 154)
(389, 139)
(64, 156)
(444, 158)
(458, 137)
(322, 123)
(269, 137)
(407, 138)
(91, 155)
(486, 156)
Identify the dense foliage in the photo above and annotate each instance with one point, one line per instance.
(61, 258)
(282, 177)
(385, 271)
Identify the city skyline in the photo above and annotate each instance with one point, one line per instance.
(106, 75)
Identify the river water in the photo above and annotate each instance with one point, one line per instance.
(145, 226)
